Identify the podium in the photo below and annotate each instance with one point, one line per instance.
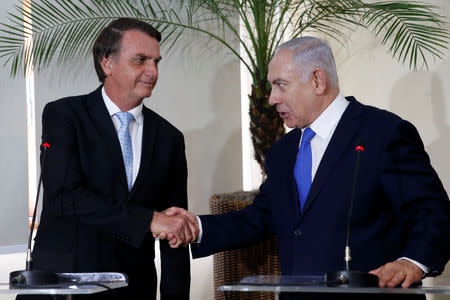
(82, 283)
(316, 284)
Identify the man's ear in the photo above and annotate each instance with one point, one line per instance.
(319, 81)
(106, 64)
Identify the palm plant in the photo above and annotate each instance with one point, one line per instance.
(64, 30)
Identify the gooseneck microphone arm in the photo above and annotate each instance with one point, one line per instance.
(30, 277)
(348, 256)
(29, 263)
(349, 277)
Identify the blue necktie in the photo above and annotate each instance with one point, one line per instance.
(125, 144)
(302, 170)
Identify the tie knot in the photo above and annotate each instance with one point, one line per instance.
(308, 134)
(124, 118)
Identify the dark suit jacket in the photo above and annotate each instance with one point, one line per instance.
(90, 222)
(400, 209)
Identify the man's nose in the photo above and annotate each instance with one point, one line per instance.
(151, 69)
(273, 99)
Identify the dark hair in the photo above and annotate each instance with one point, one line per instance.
(109, 39)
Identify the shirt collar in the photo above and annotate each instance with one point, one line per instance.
(325, 124)
(113, 108)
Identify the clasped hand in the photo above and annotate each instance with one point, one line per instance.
(175, 224)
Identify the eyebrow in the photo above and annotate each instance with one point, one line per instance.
(159, 58)
(278, 80)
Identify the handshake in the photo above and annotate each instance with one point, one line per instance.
(177, 225)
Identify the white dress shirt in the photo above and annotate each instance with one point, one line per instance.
(324, 127)
(135, 128)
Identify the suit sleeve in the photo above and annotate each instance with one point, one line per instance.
(65, 192)
(175, 263)
(241, 228)
(418, 197)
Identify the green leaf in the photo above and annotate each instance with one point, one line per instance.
(64, 30)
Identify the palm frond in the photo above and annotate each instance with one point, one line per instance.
(330, 17)
(63, 30)
(413, 28)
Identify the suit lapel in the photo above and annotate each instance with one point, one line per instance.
(149, 134)
(292, 158)
(343, 135)
(102, 120)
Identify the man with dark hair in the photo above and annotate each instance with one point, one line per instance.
(108, 41)
(400, 228)
(112, 167)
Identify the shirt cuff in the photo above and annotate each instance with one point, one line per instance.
(424, 268)
(200, 231)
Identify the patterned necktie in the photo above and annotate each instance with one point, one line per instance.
(302, 170)
(125, 144)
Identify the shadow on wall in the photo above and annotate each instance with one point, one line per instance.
(424, 105)
(440, 147)
(214, 151)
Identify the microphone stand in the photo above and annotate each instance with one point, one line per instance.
(349, 277)
(29, 277)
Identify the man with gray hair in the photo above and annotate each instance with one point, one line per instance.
(400, 227)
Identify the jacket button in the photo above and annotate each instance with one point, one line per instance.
(298, 232)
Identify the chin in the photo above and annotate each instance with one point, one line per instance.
(146, 95)
(289, 124)
(144, 91)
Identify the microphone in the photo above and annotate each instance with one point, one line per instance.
(349, 277)
(29, 277)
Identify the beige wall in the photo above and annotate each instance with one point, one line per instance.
(13, 155)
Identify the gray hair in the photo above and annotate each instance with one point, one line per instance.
(310, 53)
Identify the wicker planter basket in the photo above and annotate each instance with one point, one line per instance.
(231, 266)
